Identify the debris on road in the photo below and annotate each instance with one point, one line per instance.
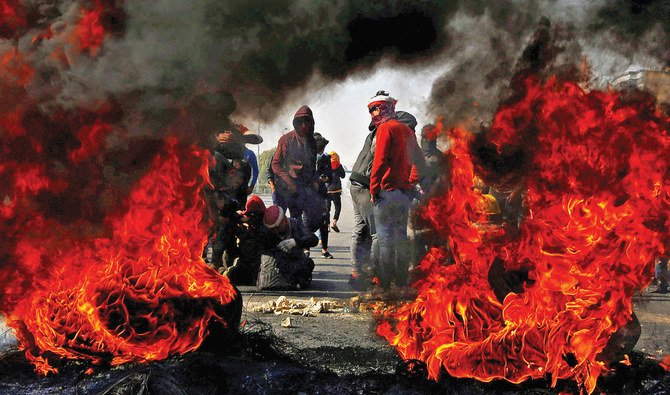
(305, 308)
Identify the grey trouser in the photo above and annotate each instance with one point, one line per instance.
(364, 247)
(391, 212)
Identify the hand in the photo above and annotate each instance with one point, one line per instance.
(373, 199)
(287, 245)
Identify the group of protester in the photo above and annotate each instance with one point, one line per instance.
(269, 246)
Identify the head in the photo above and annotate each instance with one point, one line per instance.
(254, 210)
(428, 138)
(381, 107)
(321, 142)
(276, 220)
(334, 157)
(303, 121)
(229, 138)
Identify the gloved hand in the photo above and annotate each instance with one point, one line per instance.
(287, 245)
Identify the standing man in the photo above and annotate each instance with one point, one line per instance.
(325, 173)
(396, 152)
(364, 246)
(294, 169)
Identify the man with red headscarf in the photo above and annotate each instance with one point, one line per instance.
(391, 188)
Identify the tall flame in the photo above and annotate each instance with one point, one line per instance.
(141, 294)
(598, 202)
(102, 236)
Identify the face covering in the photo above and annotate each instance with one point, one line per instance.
(386, 112)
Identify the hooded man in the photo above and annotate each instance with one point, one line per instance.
(391, 188)
(294, 170)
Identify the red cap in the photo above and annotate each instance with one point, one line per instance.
(254, 205)
(273, 216)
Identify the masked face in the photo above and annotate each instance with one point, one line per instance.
(381, 112)
(304, 126)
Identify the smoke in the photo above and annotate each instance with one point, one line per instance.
(169, 60)
(604, 40)
(187, 66)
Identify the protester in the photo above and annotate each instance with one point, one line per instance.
(335, 188)
(662, 276)
(364, 246)
(250, 233)
(294, 168)
(283, 263)
(250, 157)
(424, 236)
(396, 152)
(324, 170)
(230, 176)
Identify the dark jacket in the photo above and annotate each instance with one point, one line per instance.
(335, 186)
(362, 169)
(294, 161)
(299, 232)
(231, 172)
(324, 172)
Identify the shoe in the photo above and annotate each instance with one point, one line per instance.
(326, 255)
(661, 290)
(335, 229)
(358, 282)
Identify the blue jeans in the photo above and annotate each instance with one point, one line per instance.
(390, 213)
(364, 247)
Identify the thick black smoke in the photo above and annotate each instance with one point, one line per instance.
(488, 42)
(187, 66)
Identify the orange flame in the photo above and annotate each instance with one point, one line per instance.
(141, 294)
(597, 207)
(89, 30)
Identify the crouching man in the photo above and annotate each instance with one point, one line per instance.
(283, 263)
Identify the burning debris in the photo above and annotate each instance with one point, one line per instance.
(595, 218)
(108, 102)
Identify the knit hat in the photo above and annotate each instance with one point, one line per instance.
(382, 97)
(334, 157)
(273, 217)
(254, 205)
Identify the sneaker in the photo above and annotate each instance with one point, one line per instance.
(661, 290)
(326, 255)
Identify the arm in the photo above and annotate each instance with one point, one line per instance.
(419, 169)
(253, 162)
(340, 172)
(277, 161)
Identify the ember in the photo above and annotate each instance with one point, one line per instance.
(597, 198)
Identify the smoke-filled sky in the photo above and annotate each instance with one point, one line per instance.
(256, 61)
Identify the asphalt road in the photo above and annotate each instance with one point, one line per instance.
(322, 339)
